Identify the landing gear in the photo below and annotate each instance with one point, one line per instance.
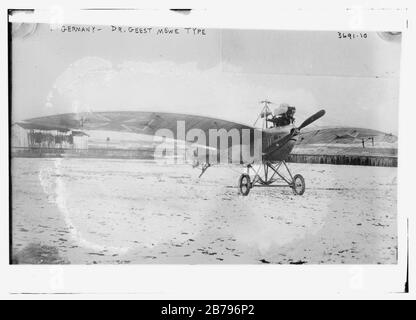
(298, 184)
(267, 174)
(244, 184)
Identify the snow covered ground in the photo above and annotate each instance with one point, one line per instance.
(87, 211)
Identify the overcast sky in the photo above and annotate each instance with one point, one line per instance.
(222, 73)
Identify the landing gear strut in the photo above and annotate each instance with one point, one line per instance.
(267, 174)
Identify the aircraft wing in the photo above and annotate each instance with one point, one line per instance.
(328, 135)
(137, 122)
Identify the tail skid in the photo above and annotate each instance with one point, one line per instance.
(204, 168)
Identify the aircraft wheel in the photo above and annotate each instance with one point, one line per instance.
(244, 184)
(298, 184)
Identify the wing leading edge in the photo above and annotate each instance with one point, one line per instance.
(147, 123)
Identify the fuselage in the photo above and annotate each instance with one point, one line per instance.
(271, 137)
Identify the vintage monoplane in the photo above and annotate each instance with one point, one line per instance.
(277, 138)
